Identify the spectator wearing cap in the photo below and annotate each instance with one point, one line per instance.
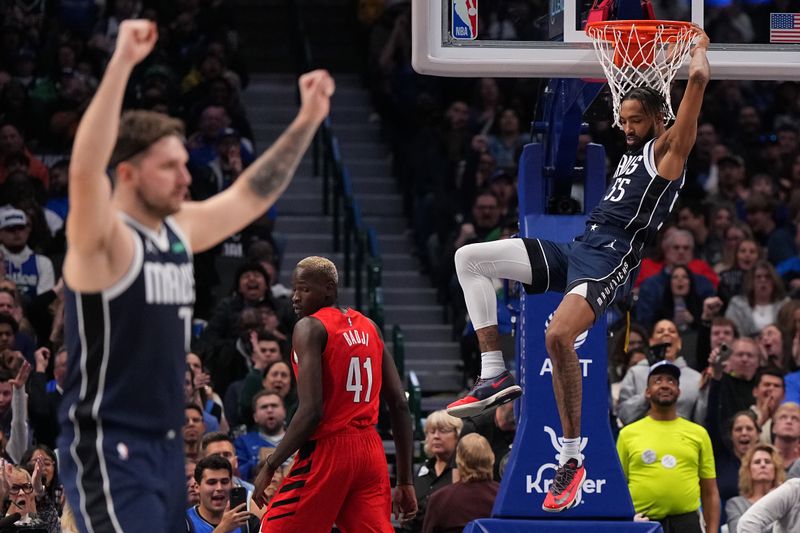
(633, 401)
(12, 142)
(33, 273)
(778, 241)
(668, 461)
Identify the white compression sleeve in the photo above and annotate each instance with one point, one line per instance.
(478, 264)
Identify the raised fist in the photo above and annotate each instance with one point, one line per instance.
(136, 39)
(316, 89)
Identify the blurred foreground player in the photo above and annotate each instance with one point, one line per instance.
(343, 370)
(593, 271)
(131, 288)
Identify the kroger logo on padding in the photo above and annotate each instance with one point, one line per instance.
(541, 483)
(579, 340)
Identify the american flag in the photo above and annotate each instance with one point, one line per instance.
(784, 27)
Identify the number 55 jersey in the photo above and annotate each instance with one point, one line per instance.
(352, 363)
(602, 264)
(638, 200)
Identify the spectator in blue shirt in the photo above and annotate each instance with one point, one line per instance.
(269, 415)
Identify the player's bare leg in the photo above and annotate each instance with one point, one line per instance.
(573, 316)
(488, 339)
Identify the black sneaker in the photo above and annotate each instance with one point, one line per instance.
(486, 393)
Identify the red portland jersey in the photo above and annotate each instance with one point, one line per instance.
(352, 363)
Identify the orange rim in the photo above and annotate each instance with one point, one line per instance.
(643, 27)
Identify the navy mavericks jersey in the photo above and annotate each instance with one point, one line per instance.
(638, 199)
(127, 344)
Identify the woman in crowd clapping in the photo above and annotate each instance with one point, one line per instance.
(42, 460)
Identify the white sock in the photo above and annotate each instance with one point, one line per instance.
(570, 449)
(492, 364)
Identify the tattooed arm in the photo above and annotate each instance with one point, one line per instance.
(259, 186)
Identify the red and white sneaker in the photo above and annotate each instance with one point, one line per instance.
(567, 483)
(486, 393)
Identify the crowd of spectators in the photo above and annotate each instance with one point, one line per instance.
(718, 295)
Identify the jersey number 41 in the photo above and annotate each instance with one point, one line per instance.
(354, 381)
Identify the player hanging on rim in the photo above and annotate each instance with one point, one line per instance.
(598, 267)
(128, 272)
(343, 369)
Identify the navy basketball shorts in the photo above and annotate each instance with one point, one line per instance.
(599, 266)
(118, 480)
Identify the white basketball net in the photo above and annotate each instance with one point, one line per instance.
(634, 58)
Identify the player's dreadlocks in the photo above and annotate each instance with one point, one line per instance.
(653, 103)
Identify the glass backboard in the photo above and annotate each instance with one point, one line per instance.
(751, 39)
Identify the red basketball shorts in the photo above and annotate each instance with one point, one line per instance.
(342, 479)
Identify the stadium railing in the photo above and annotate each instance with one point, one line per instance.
(415, 405)
(357, 242)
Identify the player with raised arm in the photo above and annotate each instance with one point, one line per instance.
(130, 281)
(343, 368)
(598, 267)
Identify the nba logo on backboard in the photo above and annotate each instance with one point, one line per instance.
(465, 19)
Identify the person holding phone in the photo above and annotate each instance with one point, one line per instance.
(732, 379)
(222, 507)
